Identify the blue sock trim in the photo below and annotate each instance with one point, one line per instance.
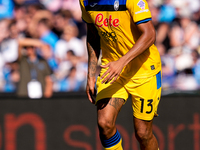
(111, 141)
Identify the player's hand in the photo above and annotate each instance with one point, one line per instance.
(113, 72)
(90, 89)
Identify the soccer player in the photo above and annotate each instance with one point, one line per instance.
(131, 65)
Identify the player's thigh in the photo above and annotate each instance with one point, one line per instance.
(108, 109)
(146, 97)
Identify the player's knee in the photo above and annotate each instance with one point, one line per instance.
(105, 126)
(143, 135)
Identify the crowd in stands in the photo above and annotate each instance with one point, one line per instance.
(43, 45)
(177, 23)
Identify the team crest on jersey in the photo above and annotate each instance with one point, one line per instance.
(116, 5)
(141, 4)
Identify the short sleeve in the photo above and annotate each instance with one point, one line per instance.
(85, 15)
(139, 10)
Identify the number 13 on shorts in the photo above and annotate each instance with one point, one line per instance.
(149, 105)
(145, 102)
(146, 109)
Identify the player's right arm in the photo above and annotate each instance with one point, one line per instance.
(93, 48)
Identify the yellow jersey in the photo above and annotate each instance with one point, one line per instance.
(116, 22)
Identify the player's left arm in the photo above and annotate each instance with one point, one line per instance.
(147, 38)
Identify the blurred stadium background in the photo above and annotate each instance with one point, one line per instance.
(52, 33)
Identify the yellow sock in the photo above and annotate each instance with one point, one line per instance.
(113, 143)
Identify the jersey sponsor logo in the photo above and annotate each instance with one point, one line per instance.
(141, 4)
(141, 11)
(116, 5)
(100, 21)
(109, 36)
